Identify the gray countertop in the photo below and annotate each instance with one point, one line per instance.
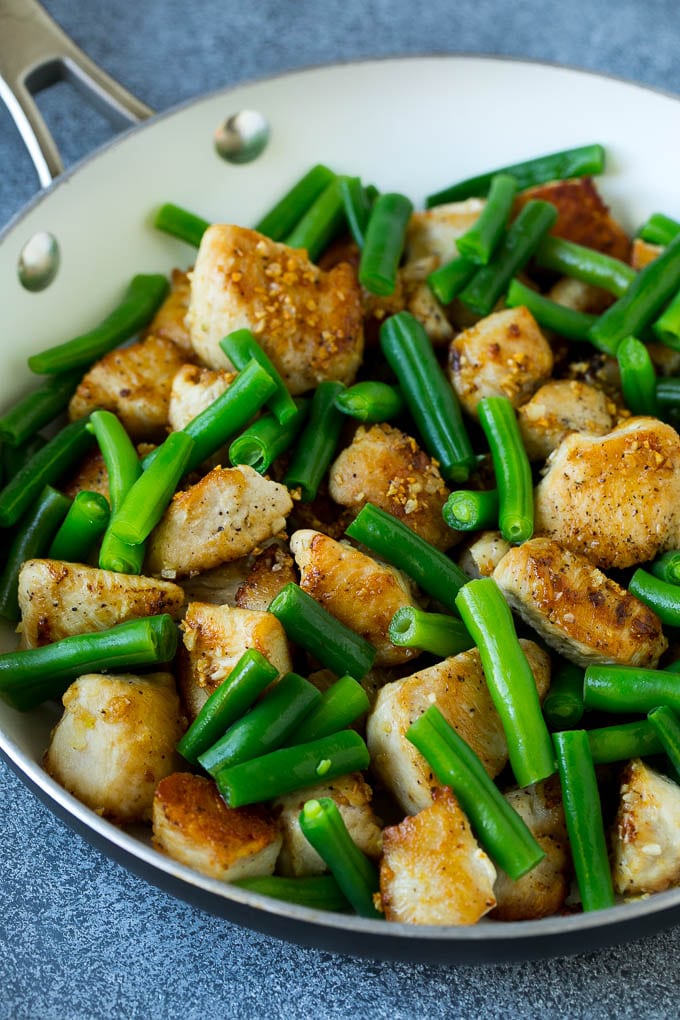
(81, 936)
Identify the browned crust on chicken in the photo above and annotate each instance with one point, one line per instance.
(642, 253)
(270, 571)
(560, 407)
(168, 322)
(193, 390)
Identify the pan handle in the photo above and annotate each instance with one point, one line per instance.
(34, 54)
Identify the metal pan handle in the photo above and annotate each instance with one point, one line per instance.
(34, 54)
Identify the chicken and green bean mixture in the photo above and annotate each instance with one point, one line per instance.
(356, 566)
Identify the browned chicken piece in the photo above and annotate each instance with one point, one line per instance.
(504, 354)
(226, 515)
(90, 476)
(352, 794)
(356, 589)
(59, 599)
(134, 382)
(642, 253)
(543, 890)
(193, 389)
(614, 498)
(217, 586)
(434, 232)
(215, 638)
(646, 835)
(433, 871)
(458, 687)
(308, 322)
(116, 741)
(423, 305)
(481, 557)
(383, 465)
(560, 407)
(580, 296)
(582, 217)
(271, 571)
(193, 825)
(168, 322)
(576, 608)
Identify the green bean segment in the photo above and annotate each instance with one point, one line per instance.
(432, 632)
(448, 280)
(320, 224)
(585, 264)
(666, 725)
(38, 408)
(317, 443)
(83, 525)
(384, 243)
(265, 440)
(290, 209)
(630, 689)
(340, 705)
(357, 207)
(511, 467)
(667, 567)
(470, 510)
(667, 327)
(240, 346)
(548, 313)
(319, 892)
(663, 598)
(370, 401)
(180, 223)
(638, 376)
(481, 240)
(659, 229)
(563, 705)
(624, 741)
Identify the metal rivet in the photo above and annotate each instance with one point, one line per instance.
(39, 261)
(242, 137)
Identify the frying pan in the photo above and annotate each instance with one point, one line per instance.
(411, 125)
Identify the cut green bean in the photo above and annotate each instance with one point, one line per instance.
(312, 627)
(34, 675)
(240, 346)
(661, 597)
(384, 243)
(14, 457)
(629, 689)
(290, 209)
(123, 469)
(667, 567)
(566, 321)
(318, 892)
(667, 327)
(481, 240)
(622, 742)
(262, 442)
(431, 632)
(586, 264)
(143, 296)
(448, 280)
(38, 408)
(511, 468)
(83, 525)
(293, 768)
(370, 401)
(395, 543)
(583, 815)
(357, 207)
(180, 223)
(324, 829)
(509, 678)
(317, 442)
(429, 396)
(668, 394)
(659, 229)
(638, 376)
(469, 510)
(563, 706)
(340, 705)
(666, 725)
(499, 828)
(320, 224)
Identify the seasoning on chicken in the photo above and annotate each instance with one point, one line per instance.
(360, 592)
(481, 557)
(433, 871)
(193, 825)
(168, 322)
(458, 687)
(308, 321)
(616, 498)
(193, 389)
(271, 570)
(226, 515)
(116, 741)
(58, 599)
(646, 835)
(560, 407)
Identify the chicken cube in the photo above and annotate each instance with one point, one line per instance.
(481, 557)
(193, 389)
(560, 407)
(434, 232)
(168, 322)
(270, 571)
(646, 836)
(580, 296)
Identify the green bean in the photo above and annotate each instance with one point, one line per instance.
(384, 243)
(578, 162)
(317, 443)
(622, 742)
(566, 321)
(340, 705)
(240, 346)
(38, 408)
(429, 396)
(395, 543)
(320, 224)
(520, 242)
(659, 229)
(638, 376)
(123, 469)
(357, 207)
(293, 768)
(587, 264)
(142, 297)
(290, 209)
(312, 627)
(370, 401)
(432, 632)
(262, 442)
(181, 223)
(509, 678)
(324, 828)
(499, 828)
(667, 327)
(14, 457)
(470, 510)
(667, 567)
(447, 281)
(511, 467)
(666, 725)
(84, 523)
(481, 240)
(583, 815)
(668, 394)
(34, 675)
(629, 689)
(318, 892)
(563, 706)
(661, 597)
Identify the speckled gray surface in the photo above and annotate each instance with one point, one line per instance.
(82, 937)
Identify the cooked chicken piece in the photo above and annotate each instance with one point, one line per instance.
(221, 518)
(504, 354)
(433, 871)
(614, 498)
(434, 232)
(308, 322)
(217, 586)
(543, 890)
(353, 795)
(482, 556)
(385, 466)
(134, 382)
(168, 322)
(215, 638)
(559, 407)
(271, 571)
(90, 476)
(421, 302)
(58, 599)
(116, 741)
(576, 608)
(360, 592)
(642, 253)
(193, 825)
(458, 687)
(580, 296)
(646, 835)
(193, 389)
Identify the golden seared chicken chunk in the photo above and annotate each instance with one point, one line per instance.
(193, 389)
(505, 354)
(308, 321)
(168, 322)
(352, 794)
(646, 836)
(458, 687)
(134, 382)
(383, 465)
(481, 557)
(423, 305)
(270, 571)
(116, 741)
(576, 608)
(221, 518)
(58, 599)
(193, 825)
(360, 592)
(580, 296)
(560, 407)
(433, 871)
(432, 233)
(592, 499)
(543, 890)
(215, 638)
(642, 253)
